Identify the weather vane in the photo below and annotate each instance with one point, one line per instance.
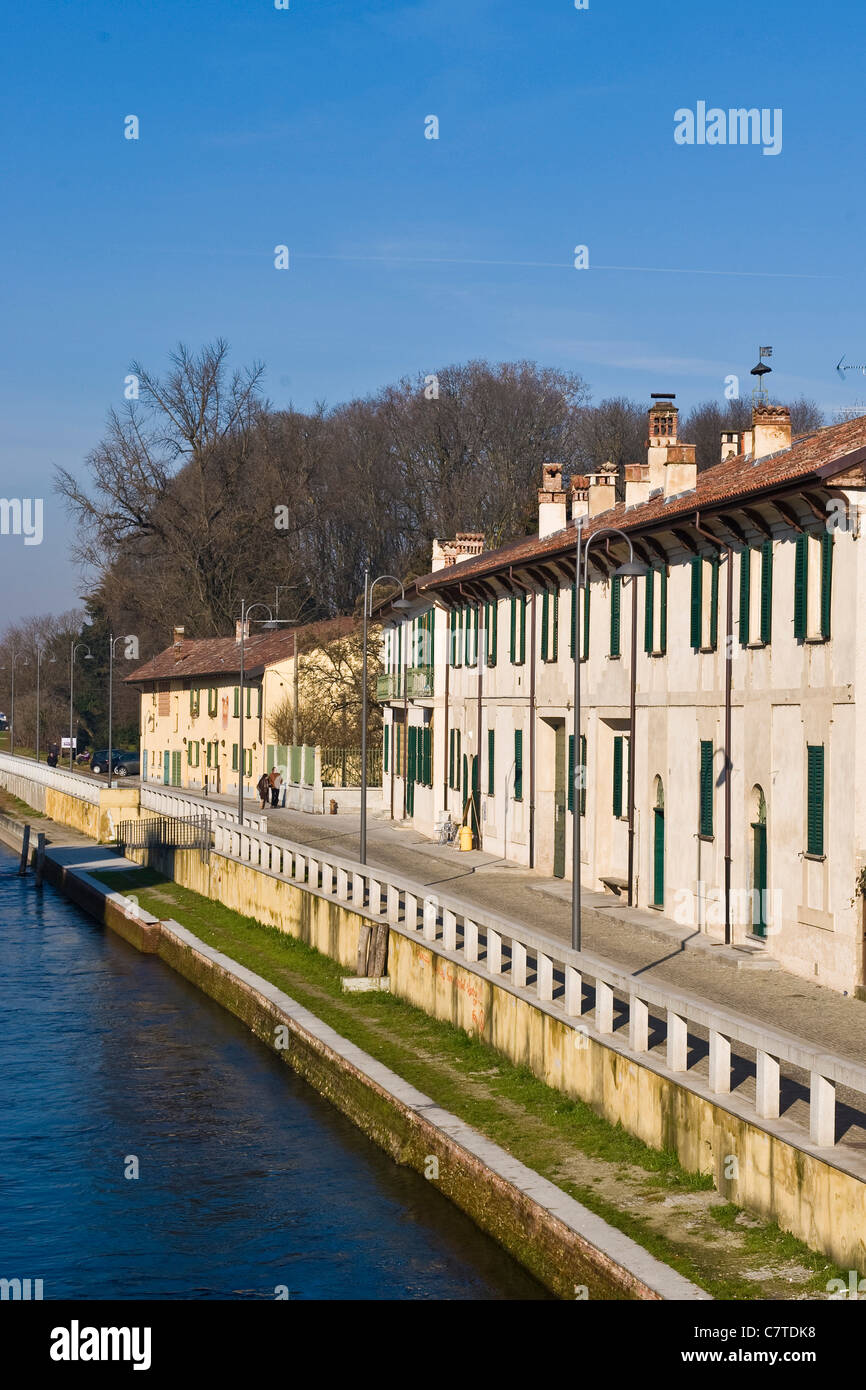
(760, 370)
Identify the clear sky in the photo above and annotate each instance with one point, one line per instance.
(306, 127)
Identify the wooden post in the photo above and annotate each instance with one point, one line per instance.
(25, 852)
(40, 855)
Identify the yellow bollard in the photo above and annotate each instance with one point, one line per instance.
(466, 837)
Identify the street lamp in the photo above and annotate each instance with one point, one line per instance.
(112, 643)
(268, 623)
(634, 568)
(11, 667)
(40, 652)
(401, 602)
(74, 647)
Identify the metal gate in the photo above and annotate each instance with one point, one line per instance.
(175, 832)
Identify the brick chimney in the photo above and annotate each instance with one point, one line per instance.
(661, 436)
(602, 492)
(637, 485)
(579, 496)
(552, 513)
(177, 636)
(464, 544)
(730, 445)
(681, 470)
(238, 631)
(771, 429)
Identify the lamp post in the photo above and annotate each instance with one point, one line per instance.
(401, 602)
(269, 623)
(74, 648)
(631, 567)
(112, 643)
(11, 667)
(40, 652)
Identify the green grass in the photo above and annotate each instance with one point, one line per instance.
(508, 1103)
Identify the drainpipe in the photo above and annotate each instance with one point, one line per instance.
(632, 747)
(729, 632)
(527, 590)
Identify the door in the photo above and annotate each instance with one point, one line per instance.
(559, 803)
(175, 769)
(166, 769)
(470, 790)
(144, 765)
(658, 857)
(759, 878)
(412, 769)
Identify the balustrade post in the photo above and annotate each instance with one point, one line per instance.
(544, 976)
(678, 1040)
(638, 1024)
(720, 1063)
(603, 1007)
(822, 1110)
(768, 1086)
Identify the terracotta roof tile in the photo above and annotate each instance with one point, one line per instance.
(215, 656)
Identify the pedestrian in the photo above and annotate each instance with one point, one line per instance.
(263, 787)
(52, 755)
(275, 781)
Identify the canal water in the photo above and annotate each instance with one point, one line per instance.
(247, 1179)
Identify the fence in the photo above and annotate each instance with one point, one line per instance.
(173, 803)
(341, 767)
(72, 783)
(667, 1030)
(177, 832)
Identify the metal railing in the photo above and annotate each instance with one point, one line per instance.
(174, 832)
(341, 767)
(172, 803)
(677, 1034)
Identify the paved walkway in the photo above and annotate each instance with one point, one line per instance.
(638, 941)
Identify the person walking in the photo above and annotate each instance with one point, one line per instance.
(263, 787)
(275, 781)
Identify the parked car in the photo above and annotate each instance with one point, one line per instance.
(99, 761)
(127, 765)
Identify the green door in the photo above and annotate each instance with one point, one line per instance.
(470, 789)
(559, 800)
(175, 769)
(759, 879)
(166, 769)
(412, 771)
(658, 857)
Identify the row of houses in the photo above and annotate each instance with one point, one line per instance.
(719, 769)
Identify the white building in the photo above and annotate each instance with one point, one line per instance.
(759, 556)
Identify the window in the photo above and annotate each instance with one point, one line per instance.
(234, 757)
(491, 627)
(518, 629)
(748, 598)
(491, 763)
(583, 774)
(615, 606)
(622, 763)
(705, 811)
(580, 606)
(815, 799)
(237, 703)
(550, 625)
(471, 620)
(454, 648)
(454, 760)
(705, 603)
(426, 755)
(518, 764)
(385, 733)
(811, 600)
(212, 701)
(655, 627)
(248, 762)
(194, 702)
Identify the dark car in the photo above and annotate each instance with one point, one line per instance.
(99, 762)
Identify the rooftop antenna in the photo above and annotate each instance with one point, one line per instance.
(760, 370)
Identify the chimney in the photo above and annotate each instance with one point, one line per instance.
(680, 470)
(579, 496)
(730, 445)
(177, 636)
(771, 429)
(602, 492)
(238, 631)
(637, 486)
(552, 515)
(465, 543)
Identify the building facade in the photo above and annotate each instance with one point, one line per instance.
(718, 759)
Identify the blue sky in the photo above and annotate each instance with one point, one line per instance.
(305, 127)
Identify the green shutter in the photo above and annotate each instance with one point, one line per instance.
(697, 602)
(571, 772)
(706, 788)
(523, 627)
(491, 762)
(258, 702)
(518, 764)
(663, 618)
(714, 602)
(513, 638)
(648, 615)
(617, 775)
(766, 591)
(555, 633)
(385, 732)
(745, 595)
(413, 747)
(234, 757)
(237, 705)
(801, 571)
(615, 604)
(189, 754)
(583, 774)
(826, 581)
(212, 701)
(586, 597)
(491, 613)
(573, 637)
(815, 799)
(545, 621)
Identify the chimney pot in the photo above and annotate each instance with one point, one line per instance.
(178, 636)
(637, 485)
(771, 430)
(602, 492)
(552, 511)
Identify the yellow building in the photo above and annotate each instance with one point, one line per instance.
(190, 709)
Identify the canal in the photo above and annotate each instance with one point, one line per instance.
(248, 1181)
